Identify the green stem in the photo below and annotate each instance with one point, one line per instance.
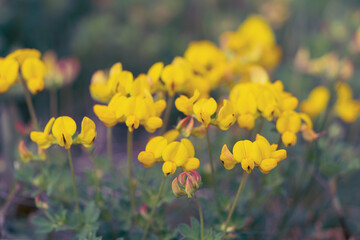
(201, 217)
(53, 102)
(262, 122)
(109, 146)
(169, 104)
(154, 208)
(30, 105)
(241, 186)
(14, 190)
(74, 183)
(211, 164)
(129, 158)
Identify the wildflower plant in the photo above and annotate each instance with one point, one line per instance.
(233, 118)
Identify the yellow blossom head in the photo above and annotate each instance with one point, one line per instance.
(43, 139)
(317, 101)
(34, 71)
(204, 109)
(9, 69)
(88, 132)
(63, 129)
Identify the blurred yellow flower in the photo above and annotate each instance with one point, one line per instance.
(34, 71)
(317, 102)
(43, 139)
(9, 69)
(288, 124)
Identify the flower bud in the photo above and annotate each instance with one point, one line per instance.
(40, 204)
(178, 192)
(189, 184)
(25, 154)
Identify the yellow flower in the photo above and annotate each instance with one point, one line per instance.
(43, 139)
(25, 154)
(153, 151)
(174, 78)
(227, 158)
(346, 107)
(179, 154)
(111, 114)
(63, 129)
(9, 69)
(244, 101)
(270, 157)
(21, 55)
(185, 104)
(204, 109)
(34, 71)
(154, 74)
(247, 154)
(226, 117)
(88, 132)
(288, 124)
(317, 102)
(103, 87)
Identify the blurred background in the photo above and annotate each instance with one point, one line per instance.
(139, 32)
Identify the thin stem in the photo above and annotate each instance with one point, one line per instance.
(14, 190)
(261, 127)
(241, 186)
(169, 104)
(335, 201)
(201, 217)
(129, 158)
(211, 163)
(109, 146)
(30, 105)
(74, 183)
(154, 208)
(279, 143)
(53, 102)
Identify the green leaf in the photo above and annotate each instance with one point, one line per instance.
(192, 232)
(42, 225)
(330, 169)
(91, 213)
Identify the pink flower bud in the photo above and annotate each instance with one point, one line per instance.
(178, 192)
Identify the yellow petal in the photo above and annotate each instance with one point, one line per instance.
(288, 138)
(63, 129)
(88, 132)
(105, 115)
(268, 164)
(147, 159)
(189, 146)
(153, 123)
(227, 158)
(33, 71)
(171, 135)
(191, 164)
(168, 168)
(175, 152)
(156, 145)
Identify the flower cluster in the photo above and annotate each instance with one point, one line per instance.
(63, 130)
(173, 153)
(249, 154)
(130, 100)
(32, 68)
(189, 184)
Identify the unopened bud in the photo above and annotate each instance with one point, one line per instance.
(40, 204)
(25, 154)
(178, 192)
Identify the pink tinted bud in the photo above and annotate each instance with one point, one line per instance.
(182, 177)
(182, 123)
(187, 131)
(143, 210)
(40, 204)
(178, 192)
(25, 154)
(41, 153)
